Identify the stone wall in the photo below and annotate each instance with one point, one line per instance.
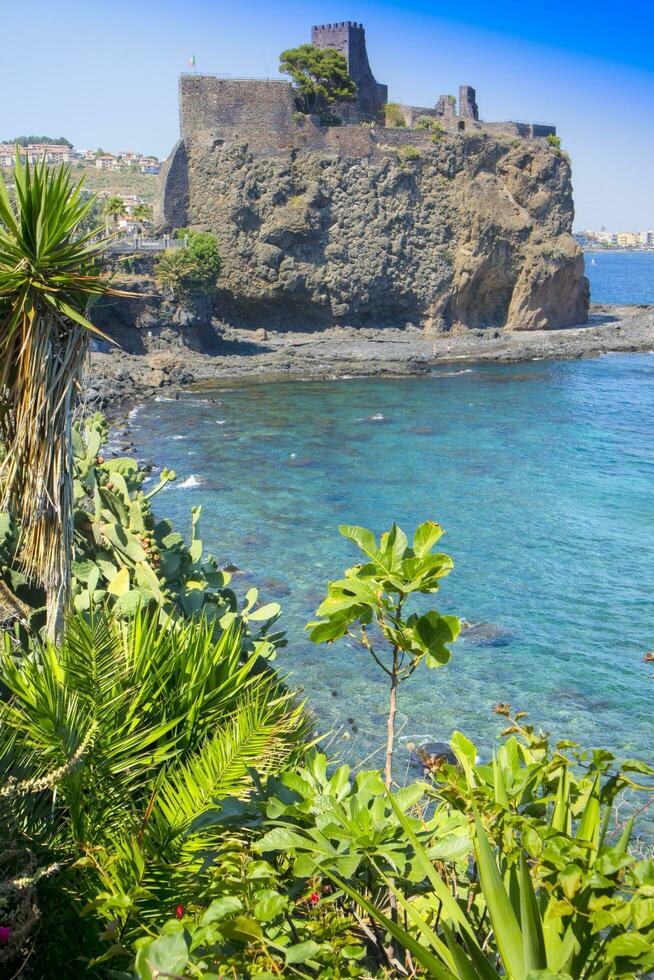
(468, 102)
(215, 109)
(171, 206)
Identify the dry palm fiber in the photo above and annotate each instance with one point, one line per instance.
(47, 278)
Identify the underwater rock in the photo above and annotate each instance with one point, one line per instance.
(485, 635)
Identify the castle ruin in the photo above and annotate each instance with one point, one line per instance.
(263, 113)
(349, 38)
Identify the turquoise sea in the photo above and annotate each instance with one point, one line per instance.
(542, 475)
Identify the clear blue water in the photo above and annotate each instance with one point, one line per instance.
(542, 475)
(620, 277)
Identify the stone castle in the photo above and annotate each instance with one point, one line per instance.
(263, 113)
(447, 222)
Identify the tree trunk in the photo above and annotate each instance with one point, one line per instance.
(54, 613)
(390, 728)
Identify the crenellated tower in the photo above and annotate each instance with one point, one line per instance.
(349, 37)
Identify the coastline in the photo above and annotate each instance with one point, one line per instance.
(340, 352)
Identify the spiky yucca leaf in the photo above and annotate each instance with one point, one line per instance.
(47, 277)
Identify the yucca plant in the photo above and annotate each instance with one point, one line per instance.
(47, 278)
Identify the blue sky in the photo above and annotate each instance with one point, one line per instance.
(105, 73)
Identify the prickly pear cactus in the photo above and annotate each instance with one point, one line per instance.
(127, 559)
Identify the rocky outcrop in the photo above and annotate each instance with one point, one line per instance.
(472, 231)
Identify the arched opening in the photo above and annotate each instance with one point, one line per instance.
(461, 125)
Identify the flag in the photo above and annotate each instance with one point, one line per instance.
(191, 61)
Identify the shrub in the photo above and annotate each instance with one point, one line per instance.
(423, 122)
(393, 115)
(549, 894)
(330, 119)
(195, 266)
(438, 132)
(407, 153)
(373, 596)
(205, 259)
(555, 143)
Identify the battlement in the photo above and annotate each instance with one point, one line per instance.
(331, 27)
(265, 114)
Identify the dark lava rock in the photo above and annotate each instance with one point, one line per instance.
(486, 635)
(432, 755)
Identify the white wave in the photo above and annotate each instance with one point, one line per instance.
(135, 411)
(450, 374)
(378, 417)
(191, 482)
(164, 398)
(179, 437)
(220, 421)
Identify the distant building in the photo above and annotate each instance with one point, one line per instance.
(628, 239)
(52, 153)
(106, 161)
(647, 239)
(7, 154)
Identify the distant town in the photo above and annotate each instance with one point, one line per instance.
(61, 151)
(614, 239)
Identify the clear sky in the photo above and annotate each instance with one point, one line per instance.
(105, 73)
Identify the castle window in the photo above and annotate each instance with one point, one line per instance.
(461, 125)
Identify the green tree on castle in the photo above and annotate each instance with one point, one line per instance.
(320, 74)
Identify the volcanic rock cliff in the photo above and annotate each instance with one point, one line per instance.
(470, 231)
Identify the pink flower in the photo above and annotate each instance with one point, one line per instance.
(314, 898)
(179, 911)
(5, 934)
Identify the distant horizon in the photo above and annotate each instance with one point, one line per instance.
(576, 68)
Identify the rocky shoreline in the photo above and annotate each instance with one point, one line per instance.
(259, 355)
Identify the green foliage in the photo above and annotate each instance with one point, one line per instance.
(320, 74)
(324, 820)
(437, 132)
(126, 559)
(31, 140)
(142, 213)
(195, 266)
(173, 271)
(114, 208)
(170, 721)
(374, 594)
(555, 143)
(549, 894)
(393, 116)
(257, 925)
(407, 153)
(205, 259)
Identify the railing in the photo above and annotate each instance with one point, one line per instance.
(226, 76)
(135, 243)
